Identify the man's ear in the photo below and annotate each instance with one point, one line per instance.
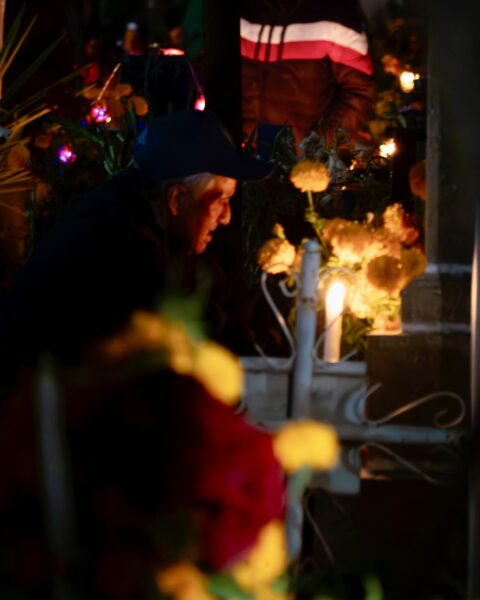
(174, 198)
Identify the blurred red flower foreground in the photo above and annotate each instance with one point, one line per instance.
(234, 480)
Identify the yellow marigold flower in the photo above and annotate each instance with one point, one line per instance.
(310, 176)
(276, 256)
(219, 371)
(364, 297)
(266, 561)
(306, 444)
(350, 241)
(150, 332)
(183, 581)
(385, 273)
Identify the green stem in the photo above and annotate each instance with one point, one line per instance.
(310, 200)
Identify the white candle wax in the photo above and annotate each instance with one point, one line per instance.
(333, 321)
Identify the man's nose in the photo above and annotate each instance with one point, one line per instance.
(226, 214)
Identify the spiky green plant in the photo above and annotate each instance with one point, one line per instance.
(16, 113)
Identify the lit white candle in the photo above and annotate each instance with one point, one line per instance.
(334, 304)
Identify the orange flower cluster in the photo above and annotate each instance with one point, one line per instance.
(383, 259)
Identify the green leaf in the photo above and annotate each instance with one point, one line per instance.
(186, 310)
(373, 588)
(282, 585)
(225, 587)
(298, 482)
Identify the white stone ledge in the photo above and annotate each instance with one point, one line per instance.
(448, 269)
(436, 328)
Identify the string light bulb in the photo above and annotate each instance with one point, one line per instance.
(387, 149)
(200, 103)
(66, 155)
(407, 80)
(99, 114)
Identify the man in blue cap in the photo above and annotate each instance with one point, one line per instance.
(121, 245)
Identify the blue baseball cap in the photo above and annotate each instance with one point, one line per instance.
(188, 142)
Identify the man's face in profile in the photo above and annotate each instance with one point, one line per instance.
(202, 209)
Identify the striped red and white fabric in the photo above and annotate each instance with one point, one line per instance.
(303, 41)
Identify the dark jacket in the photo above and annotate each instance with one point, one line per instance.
(303, 61)
(102, 260)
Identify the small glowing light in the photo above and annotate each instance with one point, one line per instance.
(200, 103)
(99, 114)
(171, 52)
(407, 80)
(387, 149)
(66, 155)
(334, 304)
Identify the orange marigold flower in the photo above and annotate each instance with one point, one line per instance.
(417, 178)
(391, 64)
(413, 263)
(310, 176)
(385, 273)
(140, 105)
(120, 91)
(384, 243)
(399, 224)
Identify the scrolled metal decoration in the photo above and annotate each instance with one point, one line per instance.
(424, 400)
(287, 364)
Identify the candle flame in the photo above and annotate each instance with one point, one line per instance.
(336, 297)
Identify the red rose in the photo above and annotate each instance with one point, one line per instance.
(225, 470)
